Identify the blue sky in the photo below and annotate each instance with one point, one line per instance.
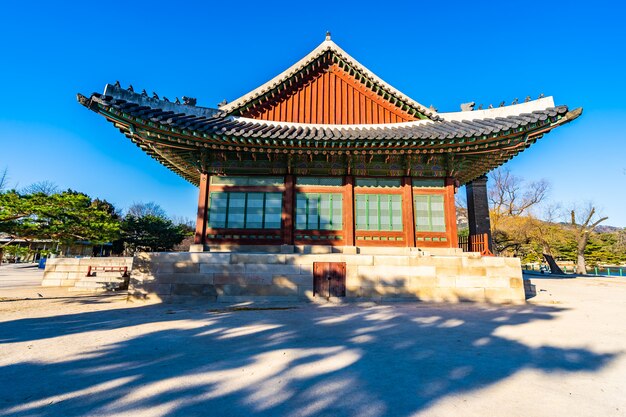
(441, 53)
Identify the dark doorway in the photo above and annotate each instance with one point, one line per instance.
(329, 279)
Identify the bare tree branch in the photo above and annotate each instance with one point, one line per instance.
(4, 179)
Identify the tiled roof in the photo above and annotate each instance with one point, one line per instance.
(204, 121)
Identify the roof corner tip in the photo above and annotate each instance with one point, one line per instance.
(82, 99)
(574, 114)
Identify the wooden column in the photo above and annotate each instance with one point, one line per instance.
(408, 217)
(348, 211)
(450, 207)
(203, 206)
(288, 209)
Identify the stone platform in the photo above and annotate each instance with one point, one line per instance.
(371, 274)
(72, 273)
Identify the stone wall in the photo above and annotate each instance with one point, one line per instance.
(233, 277)
(66, 272)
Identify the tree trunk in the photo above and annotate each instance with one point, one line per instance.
(581, 267)
(554, 268)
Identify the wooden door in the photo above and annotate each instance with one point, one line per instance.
(329, 279)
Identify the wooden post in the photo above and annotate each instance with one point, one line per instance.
(349, 219)
(287, 215)
(203, 204)
(408, 217)
(450, 209)
(478, 208)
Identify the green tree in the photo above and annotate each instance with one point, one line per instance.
(65, 217)
(150, 233)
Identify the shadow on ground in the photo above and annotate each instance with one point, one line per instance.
(391, 360)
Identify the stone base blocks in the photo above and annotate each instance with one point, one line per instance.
(374, 275)
(72, 272)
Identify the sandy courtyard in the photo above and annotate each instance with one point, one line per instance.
(561, 355)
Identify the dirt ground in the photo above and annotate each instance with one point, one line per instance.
(563, 354)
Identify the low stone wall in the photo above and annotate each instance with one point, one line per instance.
(234, 277)
(66, 272)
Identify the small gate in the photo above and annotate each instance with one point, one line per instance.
(329, 279)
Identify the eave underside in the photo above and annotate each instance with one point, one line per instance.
(189, 145)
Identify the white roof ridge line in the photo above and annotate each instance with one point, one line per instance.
(327, 44)
(332, 126)
(506, 111)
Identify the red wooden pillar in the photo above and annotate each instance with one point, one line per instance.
(203, 206)
(348, 211)
(450, 207)
(408, 217)
(288, 209)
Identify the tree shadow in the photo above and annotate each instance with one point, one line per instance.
(353, 360)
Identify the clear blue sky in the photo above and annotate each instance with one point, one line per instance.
(441, 53)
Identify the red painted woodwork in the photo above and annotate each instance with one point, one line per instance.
(348, 236)
(328, 95)
(329, 279)
(348, 211)
(288, 209)
(381, 237)
(475, 243)
(451, 213)
(408, 219)
(203, 206)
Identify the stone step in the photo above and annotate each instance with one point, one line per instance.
(88, 290)
(102, 279)
(106, 274)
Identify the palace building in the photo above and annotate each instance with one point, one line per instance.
(328, 154)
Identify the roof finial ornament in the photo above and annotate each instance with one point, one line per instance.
(117, 84)
(433, 109)
(189, 101)
(527, 99)
(541, 95)
(130, 88)
(490, 106)
(468, 106)
(222, 103)
(502, 104)
(328, 35)
(514, 102)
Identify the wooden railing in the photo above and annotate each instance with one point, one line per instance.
(475, 243)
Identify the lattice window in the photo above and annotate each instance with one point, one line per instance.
(429, 213)
(378, 182)
(247, 181)
(320, 181)
(428, 183)
(378, 212)
(245, 210)
(319, 211)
